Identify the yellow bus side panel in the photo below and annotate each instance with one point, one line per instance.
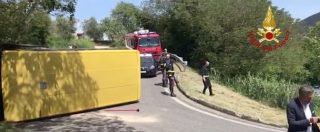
(44, 83)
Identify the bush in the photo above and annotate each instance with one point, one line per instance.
(119, 44)
(83, 43)
(56, 41)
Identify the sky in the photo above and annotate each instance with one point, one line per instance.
(97, 8)
(299, 9)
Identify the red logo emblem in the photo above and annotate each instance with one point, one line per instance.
(268, 33)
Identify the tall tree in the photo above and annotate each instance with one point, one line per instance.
(65, 27)
(127, 15)
(114, 30)
(124, 19)
(93, 29)
(313, 48)
(61, 32)
(17, 17)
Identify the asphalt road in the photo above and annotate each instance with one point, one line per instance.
(158, 113)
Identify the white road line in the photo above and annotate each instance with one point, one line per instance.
(220, 117)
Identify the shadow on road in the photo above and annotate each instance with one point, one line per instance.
(158, 84)
(86, 122)
(165, 93)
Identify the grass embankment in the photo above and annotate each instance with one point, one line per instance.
(230, 100)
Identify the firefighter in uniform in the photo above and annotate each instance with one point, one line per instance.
(163, 69)
(170, 74)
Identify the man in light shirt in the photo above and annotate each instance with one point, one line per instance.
(300, 113)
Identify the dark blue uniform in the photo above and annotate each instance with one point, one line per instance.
(206, 79)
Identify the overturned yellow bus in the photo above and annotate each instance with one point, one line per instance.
(43, 83)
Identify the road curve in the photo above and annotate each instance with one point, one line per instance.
(158, 113)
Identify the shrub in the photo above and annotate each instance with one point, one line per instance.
(55, 41)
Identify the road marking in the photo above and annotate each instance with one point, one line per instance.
(130, 118)
(220, 117)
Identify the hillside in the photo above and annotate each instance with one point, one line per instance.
(312, 20)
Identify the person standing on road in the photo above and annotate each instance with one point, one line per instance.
(163, 69)
(300, 112)
(205, 78)
(170, 74)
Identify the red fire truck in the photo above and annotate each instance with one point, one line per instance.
(145, 42)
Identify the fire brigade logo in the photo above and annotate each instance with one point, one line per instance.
(269, 33)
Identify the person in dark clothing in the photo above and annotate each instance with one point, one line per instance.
(300, 112)
(206, 79)
(162, 62)
(170, 74)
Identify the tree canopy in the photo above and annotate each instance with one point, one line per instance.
(93, 29)
(27, 21)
